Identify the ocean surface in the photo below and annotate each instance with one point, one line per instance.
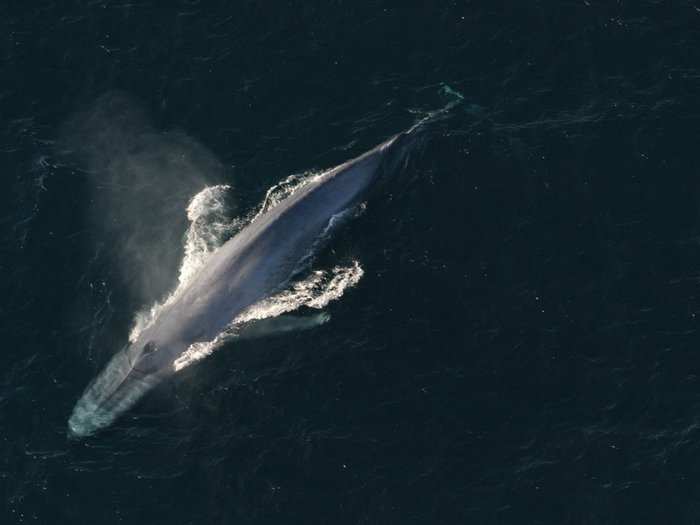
(514, 337)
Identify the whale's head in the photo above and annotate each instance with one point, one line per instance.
(129, 375)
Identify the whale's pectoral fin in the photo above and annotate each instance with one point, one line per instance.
(280, 324)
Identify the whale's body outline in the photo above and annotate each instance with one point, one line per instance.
(249, 267)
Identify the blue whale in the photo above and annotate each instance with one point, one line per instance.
(253, 265)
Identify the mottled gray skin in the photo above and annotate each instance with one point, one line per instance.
(251, 266)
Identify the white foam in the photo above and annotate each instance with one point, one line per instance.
(195, 352)
(284, 189)
(316, 291)
(209, 228)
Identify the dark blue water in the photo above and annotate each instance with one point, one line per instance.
(523, 346)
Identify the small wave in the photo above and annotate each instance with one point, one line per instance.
(316, 291)
(209, 228)
(284, 189)
(196, 352)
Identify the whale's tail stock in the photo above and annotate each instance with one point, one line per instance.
(406, 144)
(431, 118)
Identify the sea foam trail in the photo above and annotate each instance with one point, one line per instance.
(209, 228)
(316, 291)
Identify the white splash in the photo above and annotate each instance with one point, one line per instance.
(284, 189)
(210, 227)
(316, 291)
(196, 352)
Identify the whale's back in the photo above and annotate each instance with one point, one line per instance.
(261, 258)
